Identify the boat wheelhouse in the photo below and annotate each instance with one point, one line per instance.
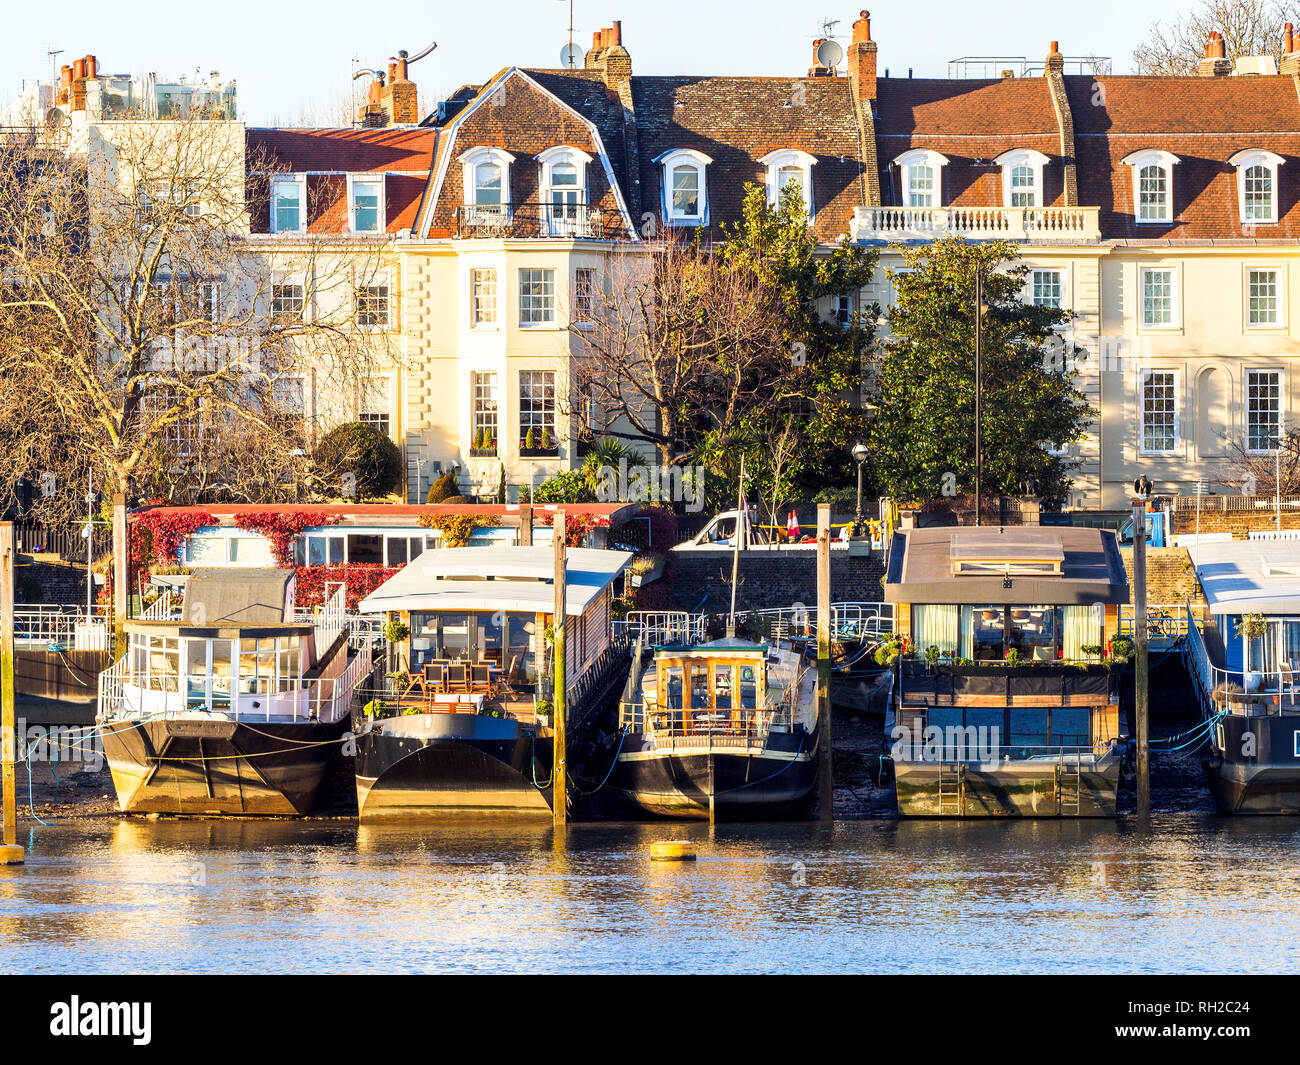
(1245, 664)
(233, 706)
(470, 727)
(1002, 705)
(720, 729)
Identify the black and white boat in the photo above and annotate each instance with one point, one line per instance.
(233, 706)
(1245, 662)
(471, 728)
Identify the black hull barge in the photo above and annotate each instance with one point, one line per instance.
(471, 730)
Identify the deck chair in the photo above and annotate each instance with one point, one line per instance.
(480, 678)
(1286, 675)
(457, 677)
(435, 675)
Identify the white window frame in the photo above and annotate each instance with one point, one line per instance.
(578, 318)
(549, 323)
(555, 224)
(1175, 322)
(485, 324)
(909, 162)
(699, 162)
(1278, 325)
(1019, 157)
(387, 414)
(1142, 410)
(1245, 404)
(1062, 279)
(282, 279)
(1244, 161)
(1164, 161)
(470, 162)
(787, 158)
(299, 180)
(381, 221)
(381, 279)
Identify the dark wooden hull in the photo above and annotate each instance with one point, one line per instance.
(216, 766)
(1267, 782)
(742, 783)
(438, 763)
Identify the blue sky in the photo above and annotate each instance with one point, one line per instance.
(294, 59)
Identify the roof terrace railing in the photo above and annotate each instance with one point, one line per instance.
(919, 224)
(533, 220)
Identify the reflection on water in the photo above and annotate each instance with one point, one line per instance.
(1195, 894)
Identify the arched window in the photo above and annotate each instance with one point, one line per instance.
(920, 174)
(1153, 186)
(564, 191)
(788, 167)
(685, 192)
(1022, 178)
(487, 184)
(1257, 188)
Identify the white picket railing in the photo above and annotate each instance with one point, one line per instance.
(333, 617)
(976, 223)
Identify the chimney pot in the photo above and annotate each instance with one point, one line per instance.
(1288, 38)
(616, 33)
(862, 28)
(92, 65)
(78, 69)
(595, 38)
(1056, 47)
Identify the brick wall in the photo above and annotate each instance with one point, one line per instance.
(1171, 577)
(768, 579)
(1237, 522)
(59, 582)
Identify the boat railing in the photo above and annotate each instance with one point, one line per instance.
(167, 607)
(1257, 692)
(333, 616)
(38, 623)
(718, 725)
(849, 621)
(952, 749)
(1166, 622)
(658, 628)
(987, 685)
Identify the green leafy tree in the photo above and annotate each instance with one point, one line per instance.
(361, 458)
(567, 487)
(923, 394)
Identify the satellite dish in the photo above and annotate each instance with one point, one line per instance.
(829, 54)
(571, 55)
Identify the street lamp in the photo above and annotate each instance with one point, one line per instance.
(860, 457)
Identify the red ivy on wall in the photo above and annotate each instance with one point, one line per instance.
(280, 527)
(576, 526)
(168, 530)
(361, 579)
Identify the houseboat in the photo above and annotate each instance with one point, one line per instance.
(1245, 663)
(721, 729)
(1003, 705)
(232, 706)
(469, 726)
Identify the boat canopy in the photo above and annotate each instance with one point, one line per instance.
(505, 578)
(239, 597)
(1250, 576)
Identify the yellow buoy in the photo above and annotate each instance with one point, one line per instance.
(676, 850)
(11, 854)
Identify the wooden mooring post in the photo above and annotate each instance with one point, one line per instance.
(10, 852)
(825, 788)
(121, 569)
(559, 700)
(1140, 662)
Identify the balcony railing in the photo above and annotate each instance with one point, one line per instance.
(566, 221)
(905, 224)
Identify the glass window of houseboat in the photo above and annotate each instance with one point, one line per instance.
(985, 633)
(722, 679)
(196, 669)
(1033, 632)
(324, 550)
(1290, 644)
(748, 688)
(289, 663)
(489, 638)
(699, 685)
(1082, 627)
(673, 688)
(164, 663)
(221, 662)
(935, 625)
(366, 547)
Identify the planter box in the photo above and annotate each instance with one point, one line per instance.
(483, 452)
(539, 452)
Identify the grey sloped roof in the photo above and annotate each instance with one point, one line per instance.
(237, 596)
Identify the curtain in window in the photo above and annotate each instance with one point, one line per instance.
(934, 625)
(1083, 626)
(967, 647)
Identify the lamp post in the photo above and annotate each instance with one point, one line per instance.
(860, 457)
(979, 389)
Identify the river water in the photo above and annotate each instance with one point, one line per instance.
(1194, 894)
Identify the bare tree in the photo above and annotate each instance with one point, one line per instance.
(672, 347)
(1250, 470)
(1249, 27)
(146, 336)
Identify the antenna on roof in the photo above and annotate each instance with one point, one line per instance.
(571, 54)
(828, 27)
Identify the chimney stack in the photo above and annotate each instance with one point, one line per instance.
(1215, 64)
(862, 61)
(399, 97)
(1290, 62)
(609, 57)
(817, 70)
(1055, 63)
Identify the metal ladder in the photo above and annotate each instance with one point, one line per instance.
(1069, 786)
(952, 789)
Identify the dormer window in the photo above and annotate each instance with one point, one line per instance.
(487, 183)
(289, 203)
(1153, 186)
(1022, 178)
(920, 174)
(787, 167)
(564, 191)
(685, 191)
(366, 203)
(1257, 186)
